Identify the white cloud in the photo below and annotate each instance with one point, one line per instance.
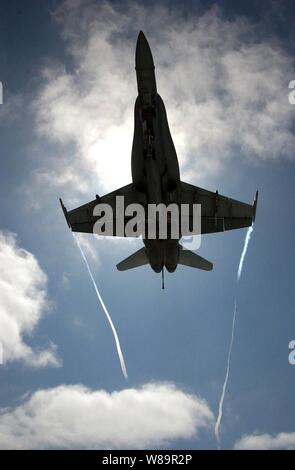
(11, 108)
(283, 440)
(23, 302)
(73, 416)
(224, 87)
(65, 280)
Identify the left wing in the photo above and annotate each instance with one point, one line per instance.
(82, 219)
(218, 213)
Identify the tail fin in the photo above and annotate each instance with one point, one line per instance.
(189, 258)
(133, 261)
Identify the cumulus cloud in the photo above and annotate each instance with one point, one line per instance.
(73, 416)
(23, 302)
(224, 86)
(11, 108)
(283, 440)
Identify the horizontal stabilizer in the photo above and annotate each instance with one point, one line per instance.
(189, 258)
(134, 261)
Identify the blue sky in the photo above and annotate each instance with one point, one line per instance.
(66, 130)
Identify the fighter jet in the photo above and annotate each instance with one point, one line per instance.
(156, 180)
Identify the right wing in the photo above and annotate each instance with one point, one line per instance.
(82, 219)
(218, 213)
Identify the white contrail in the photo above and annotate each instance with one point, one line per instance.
(120, 354)
(247, 239)
(220, 407)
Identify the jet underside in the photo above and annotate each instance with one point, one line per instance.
(156, 179)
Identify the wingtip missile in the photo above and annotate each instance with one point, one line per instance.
(65, 212)
(255, 206)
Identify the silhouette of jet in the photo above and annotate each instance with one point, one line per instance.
(156, 180)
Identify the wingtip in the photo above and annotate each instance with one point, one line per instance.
(64, 209)
(255, 206)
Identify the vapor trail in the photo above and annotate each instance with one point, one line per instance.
(247, 239)
(120, 354)
(220, 407)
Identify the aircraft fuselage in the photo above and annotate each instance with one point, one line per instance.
(155, 169)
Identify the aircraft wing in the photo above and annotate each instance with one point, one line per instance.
(219, 213)
(82, 219)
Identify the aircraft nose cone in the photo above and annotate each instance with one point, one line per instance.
(143, 55)
(141, 35)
